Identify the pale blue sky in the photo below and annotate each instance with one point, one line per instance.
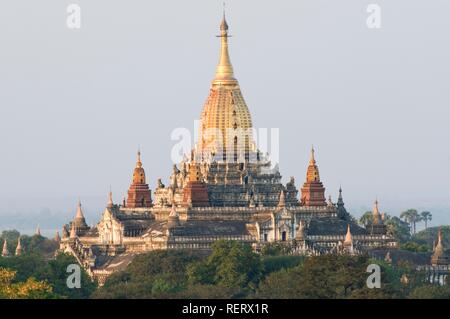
(76, 104)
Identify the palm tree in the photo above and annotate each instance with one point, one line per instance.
(426, 216)
(406, 216)
(366, 219)
(411, 216)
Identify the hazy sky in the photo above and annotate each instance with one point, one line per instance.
(76, 104)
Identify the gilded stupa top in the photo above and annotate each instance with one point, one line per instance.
(224, 70)
(376, 214)
(139, 173)
(312, 174)
(226, 125)
(348, 237)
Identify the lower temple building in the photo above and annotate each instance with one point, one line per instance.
(226, 188)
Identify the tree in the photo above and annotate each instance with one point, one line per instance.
(366, 219)
(30, 289)
(276, 263)
(430, 292)
(231, 264)
(398, 228)
(426, 216)
(56, 274)
(322, 277)
(414, 247)
(411, 216)
(158, 274)
(275, 249)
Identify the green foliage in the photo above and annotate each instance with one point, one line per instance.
(415, 247)
(276, 263)
(430, 292)
(412, 217)
(275, 249)
(52, 272)
(230, 265)
(10, 288)
(56, 273)
(38, 261)
(366, 219)
(398, 228)
(428, 236)
(27, 265)
(30, 244)
(329, 277)
(158, 274)
(426, 216)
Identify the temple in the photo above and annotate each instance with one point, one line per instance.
(226, 188)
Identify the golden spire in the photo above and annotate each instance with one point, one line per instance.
(5, 251)
(79, 214)
(312, 160)
(312, 174)
(376, 213)
(110, 199)
(348, 237)
(225, 111)
(138, 173)
(18, 248)
(439, 249)
(439, 257)
(224, 70)
(138, 162)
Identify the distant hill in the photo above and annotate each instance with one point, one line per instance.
(429, 236)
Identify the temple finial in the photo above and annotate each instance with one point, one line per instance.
(376, 214)
(138, 161)
(348, 237)
(5, 251)
(312, 159)
(38, 231)
(110, 199)
(224, 70)
(18, 247)
(223, 25)
(79, 213)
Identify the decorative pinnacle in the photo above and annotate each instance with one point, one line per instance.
(224, 25)
(79, 213)
(312, 160)
(138, 162)
(224, 70)
(110, 199)
(348, 237)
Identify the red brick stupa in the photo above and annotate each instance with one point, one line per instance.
(139, 194)
(195, 193)
(313, 192)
